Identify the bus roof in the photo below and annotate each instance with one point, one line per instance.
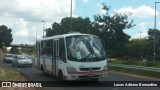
(61, 36)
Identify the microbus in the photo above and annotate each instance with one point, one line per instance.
(73, 56)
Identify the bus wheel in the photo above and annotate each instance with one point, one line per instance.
(60, 75)
(43, 70)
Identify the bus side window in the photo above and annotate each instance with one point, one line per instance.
(62, 51)
(43, 47)
(49, 45)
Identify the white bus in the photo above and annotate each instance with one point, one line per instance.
(73, 56)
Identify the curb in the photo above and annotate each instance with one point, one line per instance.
(27, 78)
(21, 73)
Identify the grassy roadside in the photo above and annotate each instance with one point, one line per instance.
(1, 54)
(8, 74)
(135, 71)
(155, 64)
(12, 75)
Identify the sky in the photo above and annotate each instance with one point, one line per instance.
(24, 16)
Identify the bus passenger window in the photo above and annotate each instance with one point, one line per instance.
(62, 54)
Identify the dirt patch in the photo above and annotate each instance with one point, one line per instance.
(2, 73)
(21, 78)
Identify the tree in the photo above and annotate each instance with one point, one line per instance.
(110, 28)
(137, 48)
(153, 33)
(28, 50)
(5, 36)
(4, 49)
(14, 50)
(78, 24)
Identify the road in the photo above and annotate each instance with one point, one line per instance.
(36, 75)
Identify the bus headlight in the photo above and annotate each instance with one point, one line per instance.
(71, 69)
(105, 67)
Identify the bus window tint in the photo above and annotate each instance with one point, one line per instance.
(43, 48)
(62, 54)
(84, 47)
(47, 48)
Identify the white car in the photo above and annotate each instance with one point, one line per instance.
(22, 60)
(8, 58)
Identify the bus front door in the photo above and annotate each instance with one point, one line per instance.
(38, 54)
(55, 56)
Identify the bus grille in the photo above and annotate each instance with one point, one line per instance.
(88, 69)
(94, 76)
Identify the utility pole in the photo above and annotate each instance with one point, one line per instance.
(71, 17)
(43, 28)
(154, 46)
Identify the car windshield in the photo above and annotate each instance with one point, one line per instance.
(11, 56)
(85, 48)
(23, 57)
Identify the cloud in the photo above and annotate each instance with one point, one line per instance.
(21, 28)
(34, 10)
(142, 31)
(140, 12)
(24, 16)
(140, 35)
(85, 1)
(142, 26)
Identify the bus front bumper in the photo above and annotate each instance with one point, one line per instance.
(86, 75)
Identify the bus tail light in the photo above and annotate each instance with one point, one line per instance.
(71, 69)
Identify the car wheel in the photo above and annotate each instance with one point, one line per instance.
(95, 79)
(4, 61)
(42, 69)
(17, 65)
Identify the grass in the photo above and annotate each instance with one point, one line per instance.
(138, 63)
(135, 71)
(1, 54)
(8, 74)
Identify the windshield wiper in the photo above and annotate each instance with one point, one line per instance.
(96, 56)
(92, 53)
(87, 56)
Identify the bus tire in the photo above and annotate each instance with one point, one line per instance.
(60, 75)
(42, 69)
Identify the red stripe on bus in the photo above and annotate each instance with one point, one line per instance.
(91, 72)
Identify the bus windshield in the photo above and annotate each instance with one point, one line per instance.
(85, 48)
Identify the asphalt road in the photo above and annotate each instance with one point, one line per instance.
(36, 75)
